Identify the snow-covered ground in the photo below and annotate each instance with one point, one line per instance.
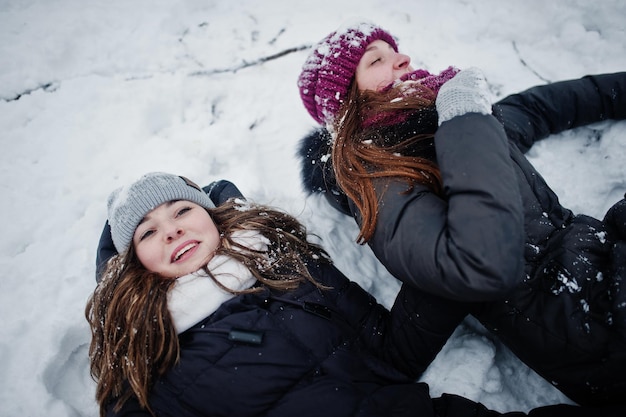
(94, 93)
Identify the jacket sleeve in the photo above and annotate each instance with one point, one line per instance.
(450, 405)
(420, 324)
(468, 246)
(106, 250)
(218, 191)
(221, 191)
(410, 335)
(540, 111)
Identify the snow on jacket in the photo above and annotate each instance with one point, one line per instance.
(306, 352)
(551, 292)
(313, 353)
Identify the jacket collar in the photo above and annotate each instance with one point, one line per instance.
(196, 296)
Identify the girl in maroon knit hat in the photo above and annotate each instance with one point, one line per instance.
(330, 68)
(436, 179)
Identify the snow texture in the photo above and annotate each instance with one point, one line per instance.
(94, 93)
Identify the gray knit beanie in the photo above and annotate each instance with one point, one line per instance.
(128, 205)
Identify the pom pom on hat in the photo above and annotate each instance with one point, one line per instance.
(128, 205)
(331, 65)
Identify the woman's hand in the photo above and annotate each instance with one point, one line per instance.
(467, 92)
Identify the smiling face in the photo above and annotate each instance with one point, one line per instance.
(380, 66)
(176, 239)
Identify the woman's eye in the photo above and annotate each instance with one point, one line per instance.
(146, 234)
(182, 211)
(375, 61)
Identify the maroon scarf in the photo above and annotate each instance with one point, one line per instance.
(403, 86)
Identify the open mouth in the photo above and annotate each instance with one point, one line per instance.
(179, 254)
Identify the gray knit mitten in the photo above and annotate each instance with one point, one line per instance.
(467, 92)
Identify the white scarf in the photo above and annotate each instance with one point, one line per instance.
(196, 296)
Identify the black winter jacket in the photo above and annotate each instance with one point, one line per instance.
(312, 352)
(303, 353)
(546, 281)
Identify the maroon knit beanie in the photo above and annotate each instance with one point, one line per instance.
(331, 65)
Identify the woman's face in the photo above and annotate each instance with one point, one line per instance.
(176, 239)
(380, 66)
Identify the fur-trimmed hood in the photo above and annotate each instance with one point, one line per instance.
(316, 170)
(314, 152)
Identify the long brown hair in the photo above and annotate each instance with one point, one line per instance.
(361, 154)
(134, 340)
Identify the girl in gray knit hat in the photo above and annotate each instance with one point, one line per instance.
(229, 310)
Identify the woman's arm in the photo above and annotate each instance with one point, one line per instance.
(420, 324)
(410, 335)
(540, 111)
(468, 247)
(221, 191)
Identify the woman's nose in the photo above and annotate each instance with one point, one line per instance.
(402, 61)
(173, 232)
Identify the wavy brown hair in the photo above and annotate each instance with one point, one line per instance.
(361, 154)
(133, 337)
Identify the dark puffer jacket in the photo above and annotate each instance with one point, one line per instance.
(301, 353)
(312, 352)
(553, 292)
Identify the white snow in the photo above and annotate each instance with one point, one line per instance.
(94, 93)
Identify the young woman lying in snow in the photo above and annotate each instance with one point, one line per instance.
(436, 179)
